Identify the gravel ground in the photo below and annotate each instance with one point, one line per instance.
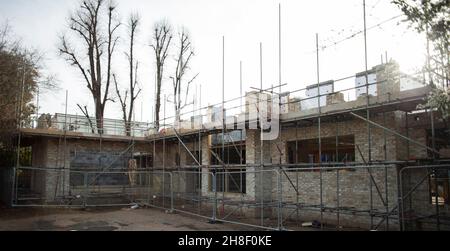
(118, 219)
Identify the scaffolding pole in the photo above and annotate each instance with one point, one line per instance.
(261, 134)
(337, 176)
(319, 129)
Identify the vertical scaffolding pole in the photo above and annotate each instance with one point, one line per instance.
(214, 187)
(400, 200)
(37, 104)
(240, 83)
(261, 135)
(132, 127)
(433, 139)
(200, 169)
(279, 47)
(319, 130)
(151, 176)
(280, 201)
(407, 149)
(436, 199)
(164, 152)
(407, 135)
(195, 146)
(19, 117)
(385, 151)
(280, 205)
(386, 173)
(242, 136)
(296, 172)
(433, 133)
(337, 176)
(19, 126)
(223, 125)
(65, 147)
(368, 112)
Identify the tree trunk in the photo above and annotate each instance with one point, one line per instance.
(158, 100)
(99, 117)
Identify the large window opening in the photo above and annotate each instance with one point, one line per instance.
(307, 151)
(232, 155)
(144, 160)
(231, 181)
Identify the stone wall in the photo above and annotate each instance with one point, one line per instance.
(354, 194)
(415, 130)
(260, 176)
(355, 127)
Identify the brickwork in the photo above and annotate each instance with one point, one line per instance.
(55, 154)
(354, 193)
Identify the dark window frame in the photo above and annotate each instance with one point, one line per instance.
(230, 186)
(308, 149)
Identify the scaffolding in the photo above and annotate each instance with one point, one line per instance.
(279, 197)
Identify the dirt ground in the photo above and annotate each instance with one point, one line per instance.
(111, 219)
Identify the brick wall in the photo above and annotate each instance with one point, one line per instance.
(55, 154)
(354, 193)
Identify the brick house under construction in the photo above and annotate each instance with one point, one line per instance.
(362, 156)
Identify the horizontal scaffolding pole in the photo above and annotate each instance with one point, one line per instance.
(395, 133)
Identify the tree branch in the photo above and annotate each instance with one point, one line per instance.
(86, 114)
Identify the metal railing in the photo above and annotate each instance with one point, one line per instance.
(424, 200)
(80, 124)
(376, 197)
(262, 199)
(344, 87)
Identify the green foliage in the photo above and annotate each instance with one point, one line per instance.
(431, 13)
(20, 77)
(439, 99)
(432, 17)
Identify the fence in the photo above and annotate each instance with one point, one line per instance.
(377, 197)
(424, 194)
(45, 187)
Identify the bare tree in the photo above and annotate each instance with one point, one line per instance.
(85, 112)
(9, 44)
(183, 58)
(86, 24)
(4, 30)
(133, 89)
(162, 37)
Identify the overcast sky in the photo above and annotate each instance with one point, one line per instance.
(244, 23)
